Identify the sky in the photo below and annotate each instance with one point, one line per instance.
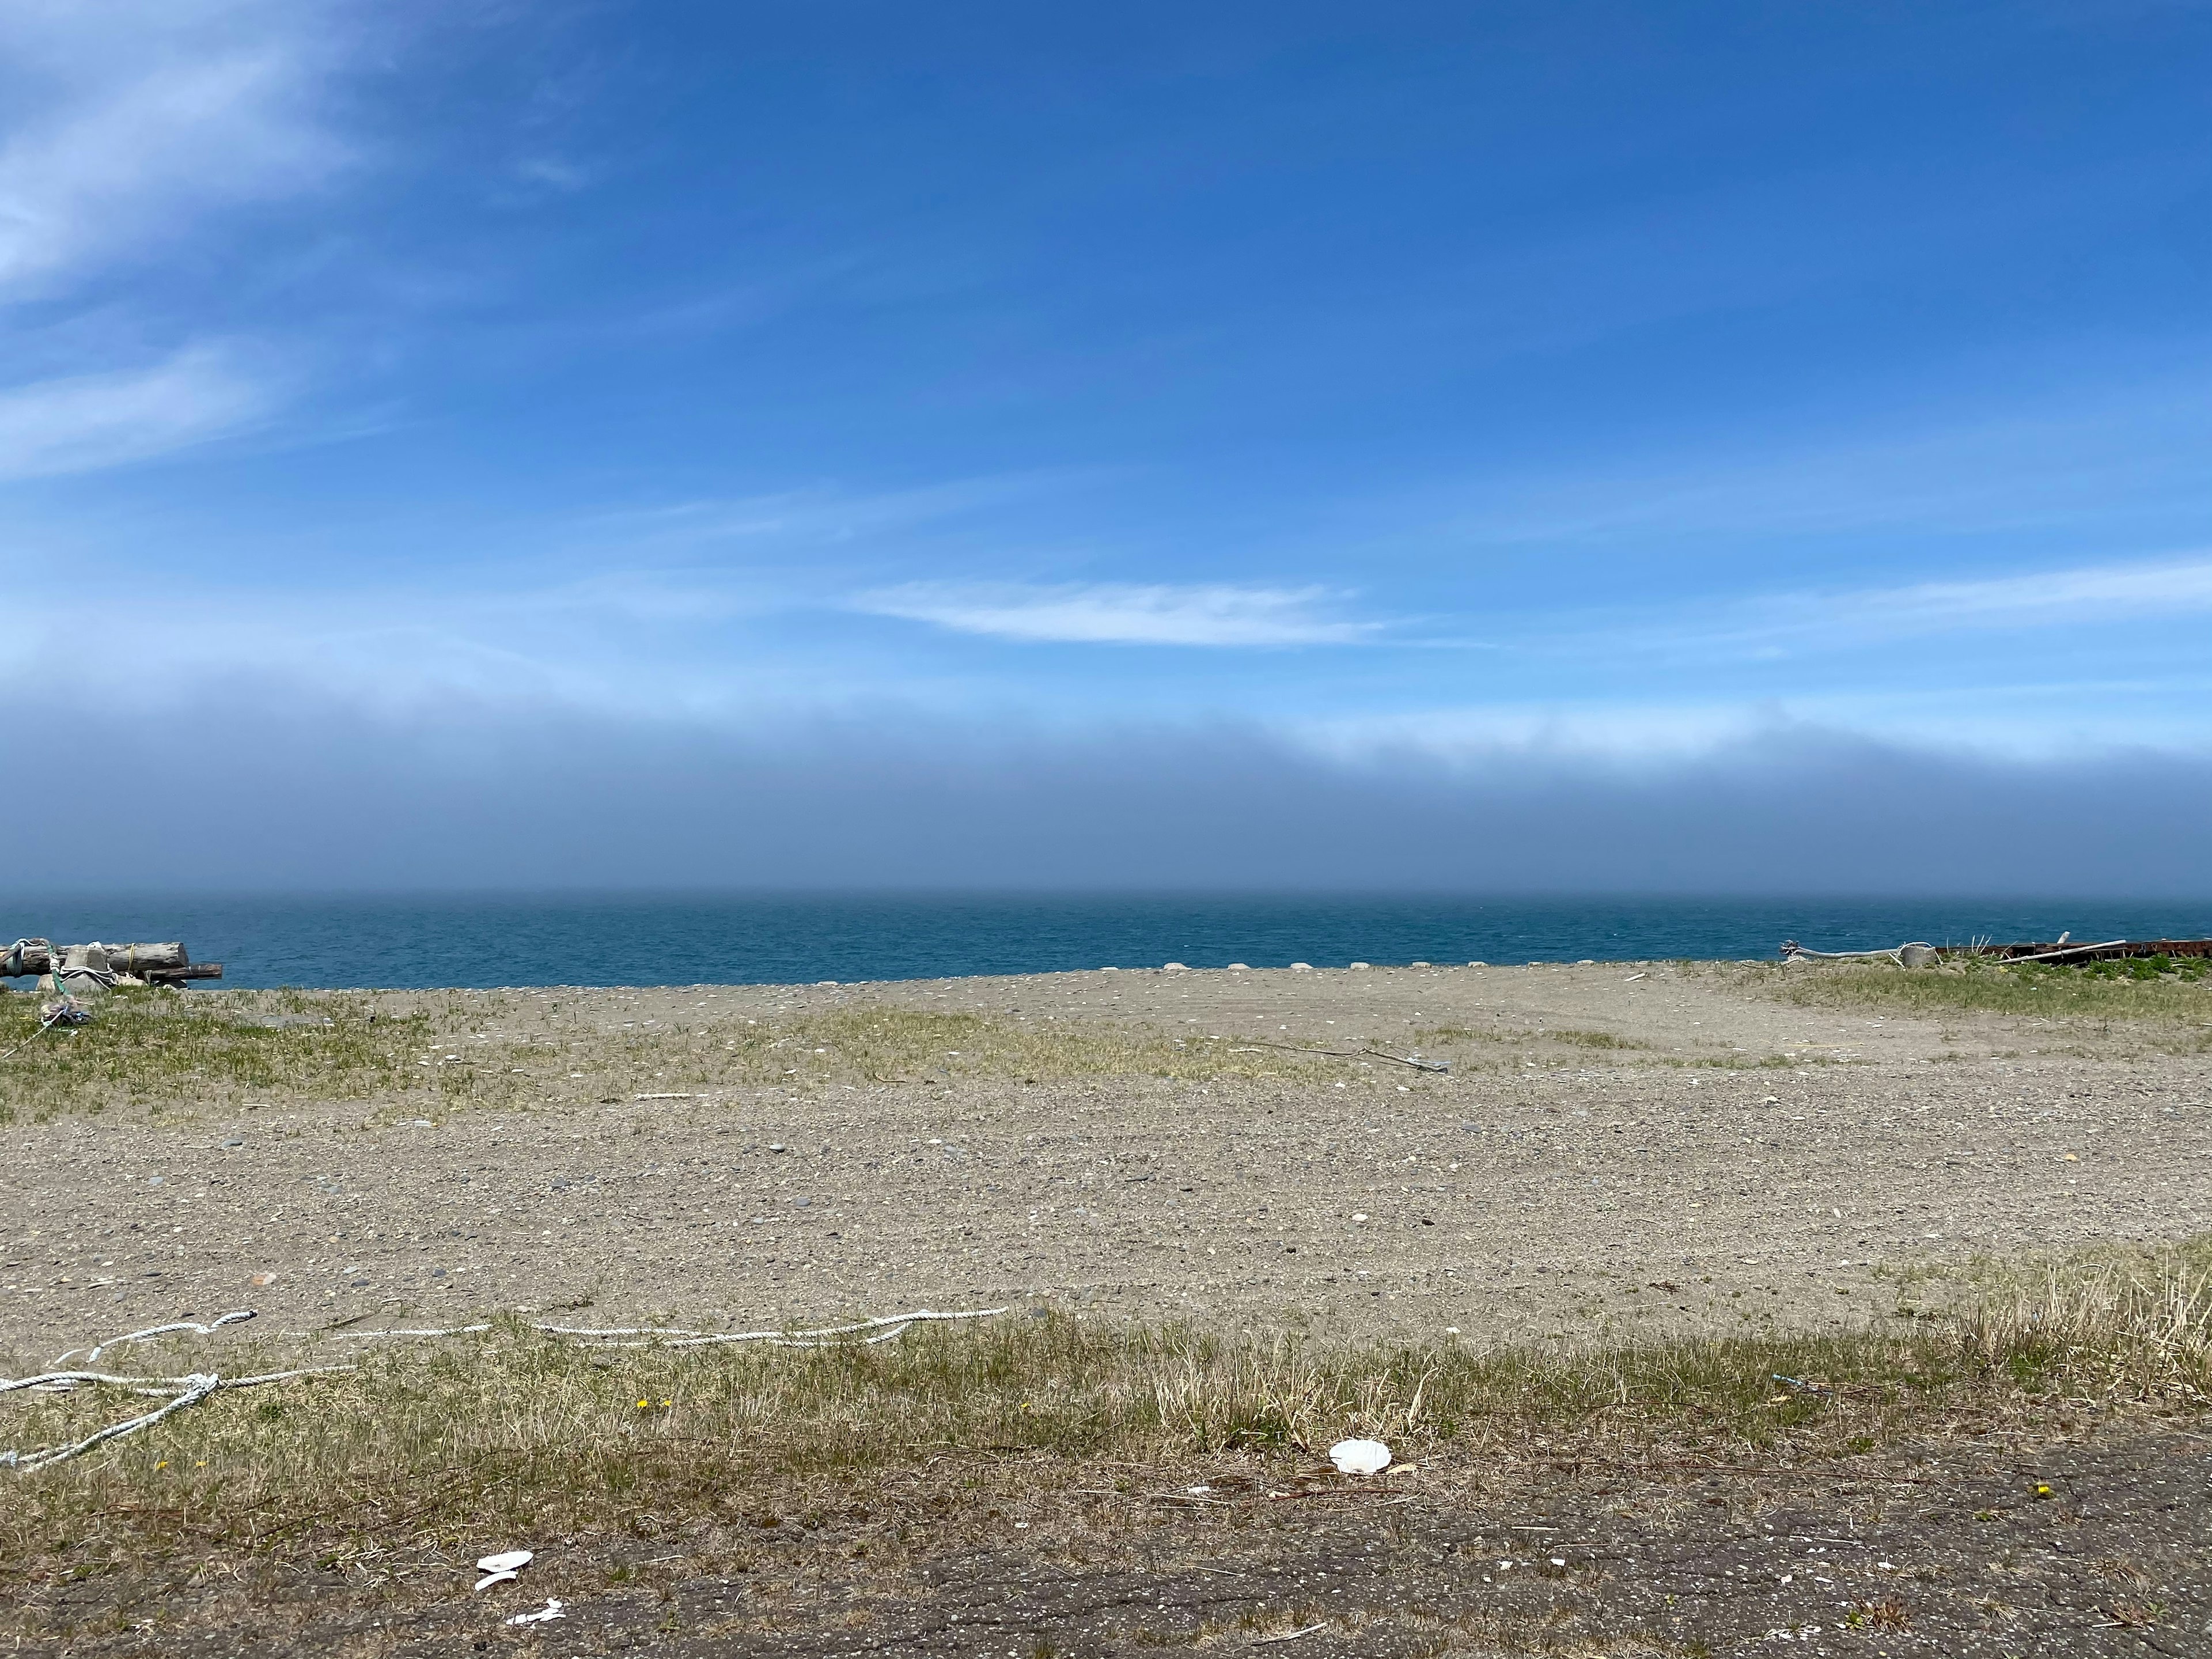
(1562, 446)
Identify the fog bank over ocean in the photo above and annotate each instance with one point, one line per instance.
(280, 792)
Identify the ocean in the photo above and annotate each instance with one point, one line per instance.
(760, 939)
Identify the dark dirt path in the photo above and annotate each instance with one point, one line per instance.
(1945, 1550)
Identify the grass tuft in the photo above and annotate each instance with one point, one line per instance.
(435, 1445)
(2176, 996)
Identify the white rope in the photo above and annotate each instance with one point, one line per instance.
(178, 1393)
(236, 1317)
(187, 1390)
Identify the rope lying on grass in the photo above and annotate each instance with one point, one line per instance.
(65, 1010)
(187, 1390)
(178, 1393)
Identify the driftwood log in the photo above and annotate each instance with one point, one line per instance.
(155, 964)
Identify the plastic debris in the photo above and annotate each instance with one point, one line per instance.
(1359, 1456)
(554, 1609)
(500, 1568)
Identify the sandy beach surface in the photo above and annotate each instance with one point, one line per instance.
(1618, 1147)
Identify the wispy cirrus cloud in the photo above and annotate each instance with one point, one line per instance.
(131, 132)
(2103, 593)
(130, 120)
(2076, 596)
(1126, 613)
(84, 422)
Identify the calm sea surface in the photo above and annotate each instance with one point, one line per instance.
(679, 939)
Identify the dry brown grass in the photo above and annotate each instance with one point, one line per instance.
(433, 1445)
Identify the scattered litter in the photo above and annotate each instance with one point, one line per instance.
(1633, 978)
(1359, 1456)
(554, 1609)
(664, 1097)
(498, 1568)
(1293, 1635)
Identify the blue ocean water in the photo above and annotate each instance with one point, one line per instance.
(738, 938)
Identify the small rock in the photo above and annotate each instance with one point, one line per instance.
(775, 1146)
(1301, 967)
(1240, 967)
(259, 1281)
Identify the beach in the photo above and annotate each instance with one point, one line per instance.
(1616, 1148)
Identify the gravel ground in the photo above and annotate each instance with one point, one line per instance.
(1620, 1146)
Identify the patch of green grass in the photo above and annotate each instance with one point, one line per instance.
(1593, 1039)
(1569, 1037)
(2180, 995)
(163, 1051)
(883, 1042)
(427, 1053)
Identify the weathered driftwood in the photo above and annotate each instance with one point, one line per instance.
(155, 964)
(1922, 955)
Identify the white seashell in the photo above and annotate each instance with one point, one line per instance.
(1359, 1456)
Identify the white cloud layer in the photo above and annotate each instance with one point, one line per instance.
(1124, 613)
(83, 422)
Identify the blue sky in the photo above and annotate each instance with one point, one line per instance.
(1565, 386)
